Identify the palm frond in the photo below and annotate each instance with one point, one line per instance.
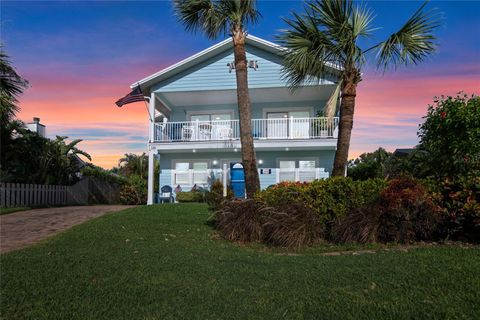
(331, 105)
(215, 17)
(240, 12)
(81, 152)
(201, 16)
(12, 86)
(412, 43)
(309, 50)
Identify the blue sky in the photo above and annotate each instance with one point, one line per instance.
(80, 56)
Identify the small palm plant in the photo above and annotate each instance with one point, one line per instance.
(220, 17)
(329, 34)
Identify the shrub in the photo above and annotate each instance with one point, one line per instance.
(451, 136)
(241, 220)
(214, 197)
(460, 200)
(330, 199)
(134, 191)
(293, 225)
(404, 212)
(190, 196)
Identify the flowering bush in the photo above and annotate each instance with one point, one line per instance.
(450, 135)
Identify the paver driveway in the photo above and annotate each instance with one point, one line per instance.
(24, 228)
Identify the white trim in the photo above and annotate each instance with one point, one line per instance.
(277, 144)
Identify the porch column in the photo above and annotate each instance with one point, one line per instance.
(151, 115)
(151, 158)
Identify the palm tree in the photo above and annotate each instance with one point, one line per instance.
(11, 86)
(330, 33)
(134, 164)
(59, 163)
(216, 17)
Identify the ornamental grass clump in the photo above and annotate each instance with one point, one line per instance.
(241, 220)
(293, 226)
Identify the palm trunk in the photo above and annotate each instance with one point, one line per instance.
(252, 181)
(347, 107)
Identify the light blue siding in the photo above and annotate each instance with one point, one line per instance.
(213, 74)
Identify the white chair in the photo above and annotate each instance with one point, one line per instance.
(223, 132)
(187, 133)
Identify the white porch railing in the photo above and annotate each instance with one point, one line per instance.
(301, 174)
(200, 177)
(218, 130)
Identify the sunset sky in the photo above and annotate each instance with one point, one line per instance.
(80, 57)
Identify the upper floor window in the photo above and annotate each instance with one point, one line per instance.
(211, 117)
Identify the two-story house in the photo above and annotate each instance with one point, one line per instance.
(194, 131)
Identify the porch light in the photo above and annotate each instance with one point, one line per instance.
(214, 162)
(194, 150)
(260, 161)
(235, 150)
(286, 149)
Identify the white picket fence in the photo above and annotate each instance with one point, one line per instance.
(30, 195)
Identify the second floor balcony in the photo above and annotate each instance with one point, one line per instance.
(262, 129)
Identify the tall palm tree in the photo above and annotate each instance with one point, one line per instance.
(214, 18)
(330, 33)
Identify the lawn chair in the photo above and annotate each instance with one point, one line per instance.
(166, 194)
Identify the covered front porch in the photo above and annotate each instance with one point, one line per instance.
(201, 167)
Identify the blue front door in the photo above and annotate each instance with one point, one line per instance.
(237, 179)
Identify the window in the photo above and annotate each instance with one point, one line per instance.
(211, 117)
(297, 170)
(191, 172)
(182, 166)
(287, 170)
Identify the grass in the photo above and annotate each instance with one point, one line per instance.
(12, 210)
(164, 262)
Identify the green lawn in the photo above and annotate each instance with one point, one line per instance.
(164, 262)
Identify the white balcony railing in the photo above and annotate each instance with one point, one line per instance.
(219, 130)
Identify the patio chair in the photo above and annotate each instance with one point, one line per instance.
(166, 194)
(187, 133)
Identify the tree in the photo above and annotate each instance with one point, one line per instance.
(330, 33)
(216, 17)
(134, 164)
(369, 165)
(450, 135)
(12, 86)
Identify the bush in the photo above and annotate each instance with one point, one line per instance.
(330, 199)
(404, 212)
(214, 197)
(190, 196)
(241, 220)
(94, 171)
(460, 200)
(293, 226)
(134, 191)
